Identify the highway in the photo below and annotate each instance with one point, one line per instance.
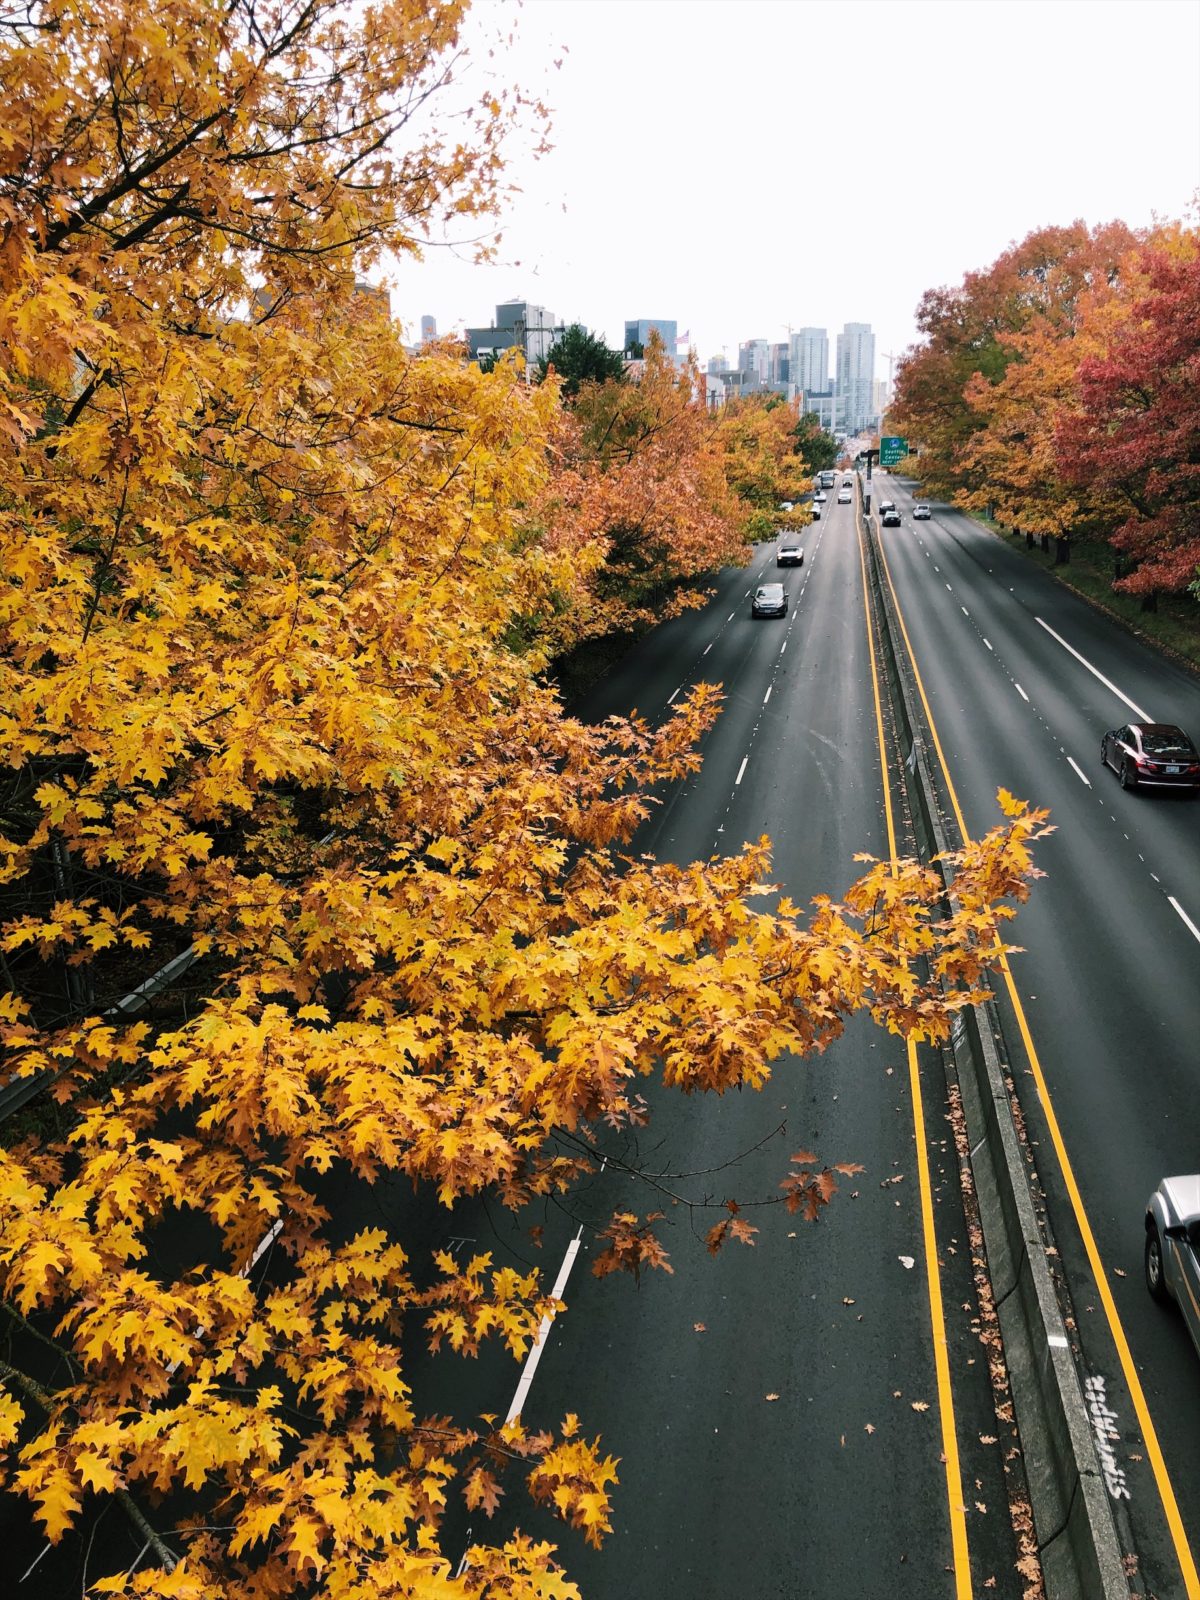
(815, 1414)
(1022, 678)
(781, 1423)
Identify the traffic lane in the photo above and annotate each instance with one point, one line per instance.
(1018, 656)
(775, 1409)
(694, 647)
(1088, 646)
(1105, 952)
(663, 1400)
(650, 662)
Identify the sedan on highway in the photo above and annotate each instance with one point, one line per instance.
(845, 496)
(770, 600)
(789, 552)
(1155, 755)
(1173, 1247)
(920, 511)
(890, 518)
(820, 497)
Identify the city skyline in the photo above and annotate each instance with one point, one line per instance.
(660, 214)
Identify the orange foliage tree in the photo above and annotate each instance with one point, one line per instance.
(262, 695)
(951, 388)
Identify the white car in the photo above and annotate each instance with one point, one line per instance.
(845, 495)
(819, 497)
(920, 511)
(1173, 1247)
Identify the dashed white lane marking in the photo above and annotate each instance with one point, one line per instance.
(1195, 931)
(1144, 716)
(669, 702)
(948, 587)
(1083, 778)
(988, 642)
(741, 770)
(964, 611)
(767, 696)
(539, 1344)
(783, 647)
(731, 616)
(1020, 691)
(707, 647)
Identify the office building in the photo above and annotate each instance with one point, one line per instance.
(855, 375)
(808, 361)
(519, 325)
(428, 329)
(754, 363)
(639, 329)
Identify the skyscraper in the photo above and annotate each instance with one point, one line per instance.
(808, 361)
(856, 374)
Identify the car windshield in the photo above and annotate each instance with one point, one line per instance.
(1167, 742)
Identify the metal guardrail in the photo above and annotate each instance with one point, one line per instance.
(1073, 1517)
(18, 1092)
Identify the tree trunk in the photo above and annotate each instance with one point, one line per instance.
(1028, 540)
(1150, 601)
(1062, 551)
(1045, 538)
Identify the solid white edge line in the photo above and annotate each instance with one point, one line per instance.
(539, 1344)
(1083, 778)
(1184, 916)
(741, 770)
(1019, 690)
(1142, 716)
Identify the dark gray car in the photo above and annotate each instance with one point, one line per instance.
(770, 600)
(1173, 1247)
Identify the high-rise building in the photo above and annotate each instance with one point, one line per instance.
(779, 365)
(808, 361)
(856, 374)
(754, 361)
(428, 329)
(718, 363)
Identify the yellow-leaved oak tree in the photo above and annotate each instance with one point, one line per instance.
(264, 695)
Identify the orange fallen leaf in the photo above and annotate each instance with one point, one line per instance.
(770, 1397)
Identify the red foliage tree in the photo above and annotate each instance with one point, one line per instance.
(1137, 429)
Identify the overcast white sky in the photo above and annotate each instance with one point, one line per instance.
(739, 165)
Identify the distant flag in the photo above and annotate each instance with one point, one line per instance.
(682, 338)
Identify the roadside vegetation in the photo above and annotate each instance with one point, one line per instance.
(1057, 391)
(278, 610)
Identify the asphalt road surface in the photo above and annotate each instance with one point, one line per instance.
(1101, 1021)
(780, 1420)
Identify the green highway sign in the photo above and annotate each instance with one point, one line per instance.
(892, 449)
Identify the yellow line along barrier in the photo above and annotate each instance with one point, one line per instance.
(1154, 1453)
(941, 1359)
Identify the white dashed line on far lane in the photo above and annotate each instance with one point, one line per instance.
(1071, 761)
(1195, 931)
